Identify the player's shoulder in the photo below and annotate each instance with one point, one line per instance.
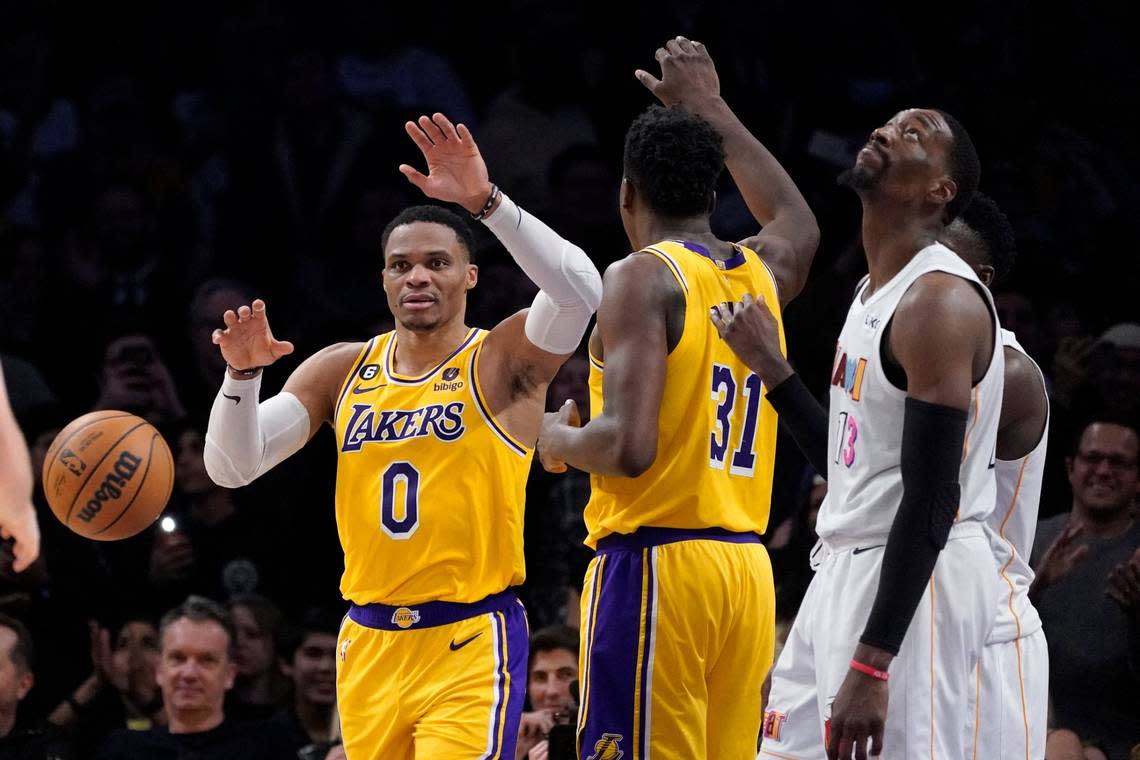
(939, 295)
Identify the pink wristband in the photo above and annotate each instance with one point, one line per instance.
(882, 675)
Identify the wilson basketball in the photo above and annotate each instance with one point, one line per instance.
(108, 475)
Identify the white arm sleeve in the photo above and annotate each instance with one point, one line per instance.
(571, 287)
(245, 439)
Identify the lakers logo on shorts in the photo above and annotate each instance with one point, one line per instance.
(607, 748)
(405, 618)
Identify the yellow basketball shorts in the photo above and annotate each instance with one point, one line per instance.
(435, 680)
(678, 632)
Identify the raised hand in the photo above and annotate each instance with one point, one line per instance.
(1124, 584)
(566, 416)
(688, 75)
(247, 342)
(456, 170)
(751, 331)
(1060, 558)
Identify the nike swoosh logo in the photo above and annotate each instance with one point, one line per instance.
(235, 399)
(463, 643)
(371, 388)
(862, 549)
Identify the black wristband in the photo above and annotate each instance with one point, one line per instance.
(251, 372)
(72, 702)
(495, 192)
(932, 440)
(803, 416)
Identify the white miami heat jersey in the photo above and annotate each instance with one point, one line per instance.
(1013, 524)
(866, 415)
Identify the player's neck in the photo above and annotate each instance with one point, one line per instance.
(1102, 523)
(694, 230)
(892, 235)
(419, 351)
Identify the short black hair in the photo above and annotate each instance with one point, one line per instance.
(993, 228)
(965, 168)
(313, 620)
(1101, 417)
(435, 215)
(22, 651)
(551, 638)
(199, 609)
(674, 158)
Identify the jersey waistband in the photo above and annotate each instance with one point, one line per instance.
(839, 544)
(387, 617)
(643, 538)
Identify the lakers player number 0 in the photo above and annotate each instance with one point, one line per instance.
(400, 479)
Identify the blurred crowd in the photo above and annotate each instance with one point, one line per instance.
(159, 165)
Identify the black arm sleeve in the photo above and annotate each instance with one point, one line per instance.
(933, 436)
(804, 418)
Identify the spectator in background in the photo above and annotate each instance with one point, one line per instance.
(200, 379)
(195, 670)
(1075, 557)
(121, 691)
(16, 679)
(553, 667)
(308, 658)
(261, 688)
(133, 378)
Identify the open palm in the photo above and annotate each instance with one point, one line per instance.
(247, 342)
(456, 170)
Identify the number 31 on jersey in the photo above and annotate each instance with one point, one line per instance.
(725, 391)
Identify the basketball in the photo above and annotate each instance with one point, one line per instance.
(108, 475)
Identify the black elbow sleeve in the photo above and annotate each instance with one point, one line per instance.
(803, 417)
(933, 436)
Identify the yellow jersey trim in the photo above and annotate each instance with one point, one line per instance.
(364, 352)
(399, 379)
(512, 443)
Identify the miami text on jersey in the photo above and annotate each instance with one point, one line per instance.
(848, 373)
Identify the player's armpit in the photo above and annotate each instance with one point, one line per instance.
(632, 322)
(942, 336)
(1024, 407)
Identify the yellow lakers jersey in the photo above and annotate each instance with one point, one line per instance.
(716, 439)
(429, 486)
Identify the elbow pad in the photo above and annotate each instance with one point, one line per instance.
(571, 288)
(933, 436)
(245, 439)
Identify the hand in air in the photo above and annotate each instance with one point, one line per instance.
(456, 170)
(687, 74)
(566, 416)
(247, 342)
(18, 523)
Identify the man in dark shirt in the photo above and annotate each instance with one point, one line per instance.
(195, 670)
(18, 742)
(1088, 620)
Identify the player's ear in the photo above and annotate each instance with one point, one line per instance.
(472, 275)
(626, 194)
(943, 191)
(986, 274)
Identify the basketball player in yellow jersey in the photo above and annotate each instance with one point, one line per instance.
(678, 607)
(435, 424)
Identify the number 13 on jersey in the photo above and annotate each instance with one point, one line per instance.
(725, 391)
